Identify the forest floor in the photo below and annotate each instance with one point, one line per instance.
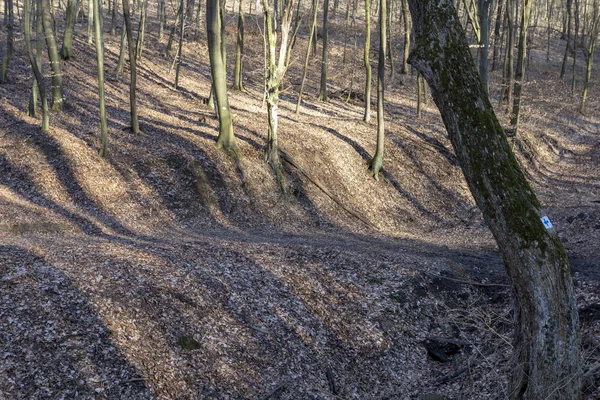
(169, 271)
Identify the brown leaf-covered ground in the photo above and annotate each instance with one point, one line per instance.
(169, 271)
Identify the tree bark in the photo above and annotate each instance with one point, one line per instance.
(9, 42)
(34, 65)
(311, 35)
(406, 18)
(135, 127)
(238, 83)
(367, 60)
(65, 51)
(98, 33)
(226, 138)
(547, 346)
(276, 71)
(376, 163)
(324, 62)
(57, 89)
(520, 72)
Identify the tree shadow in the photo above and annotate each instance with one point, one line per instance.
(388, 177)
(52, 328)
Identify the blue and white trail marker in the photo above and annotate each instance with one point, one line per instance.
(546, 222)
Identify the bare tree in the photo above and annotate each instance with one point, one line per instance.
(216, 49)
(277, 68)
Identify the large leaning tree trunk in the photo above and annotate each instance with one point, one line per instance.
(547, 347)
(214, 31)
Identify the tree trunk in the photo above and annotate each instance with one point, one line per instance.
(276, 71)
(520, 72)
(406, 18)
(497, 27)
(547, 347)
(35, 89)
(122, 52)
(65, 51)
(324, 62)
(100, 62)
(34, 65)
(180, 49)
(9, 42)
(563, 68)
(376, 163)
(311, 35)
(113, 21)
(135, 128)
(57, 90)
(239, 50)
(142, 30)
(367, 60)
(90, 21)
(575, 45)
(226, 139)
(484, 40)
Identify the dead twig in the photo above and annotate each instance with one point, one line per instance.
(466, 282)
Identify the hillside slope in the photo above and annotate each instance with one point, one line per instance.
(167, 270)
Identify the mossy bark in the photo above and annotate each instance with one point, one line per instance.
(547, 363)
(226, 138)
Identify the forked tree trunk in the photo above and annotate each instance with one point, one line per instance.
(226, 139)
(35, 89)
(376, 163)
(34, 65)
(275, 73)
(547, 362)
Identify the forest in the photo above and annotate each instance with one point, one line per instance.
(294, 199)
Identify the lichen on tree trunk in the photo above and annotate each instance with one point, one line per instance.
(547, 348)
